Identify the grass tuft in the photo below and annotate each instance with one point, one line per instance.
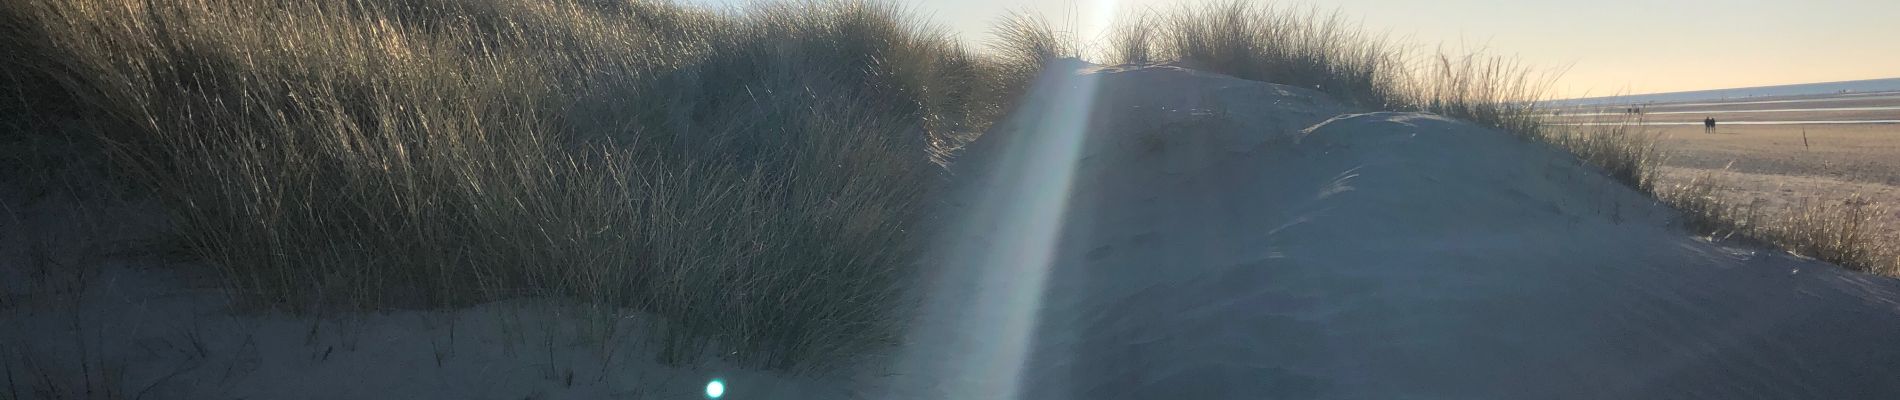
(1308, 49)
(1847, 232)
(1022, 44)
(1624, 151)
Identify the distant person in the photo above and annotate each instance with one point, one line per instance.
(1708, 125)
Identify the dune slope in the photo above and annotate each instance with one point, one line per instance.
(1225, 238)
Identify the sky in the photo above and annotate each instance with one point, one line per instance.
(1603, 47)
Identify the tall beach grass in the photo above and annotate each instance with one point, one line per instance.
(753, 178)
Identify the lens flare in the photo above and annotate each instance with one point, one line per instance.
(981, 319)
(715, 389)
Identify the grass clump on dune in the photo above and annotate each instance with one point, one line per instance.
(1312, 50)
(1329, 53)
(1846, 232)
(1621, 149)
(756, 178)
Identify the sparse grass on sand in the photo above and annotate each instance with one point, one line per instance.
(759, 179)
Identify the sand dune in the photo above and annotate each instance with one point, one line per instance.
(1148, 232)
(1277, 245)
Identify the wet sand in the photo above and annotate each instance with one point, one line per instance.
(1787, 111)
(1850, 153)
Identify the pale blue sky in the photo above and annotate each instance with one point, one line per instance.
(1610, 46)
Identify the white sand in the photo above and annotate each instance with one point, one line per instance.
(1214, 238)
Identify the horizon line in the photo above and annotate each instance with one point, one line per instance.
(1683, 92)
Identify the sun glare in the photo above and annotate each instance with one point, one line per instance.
(1006, 249)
